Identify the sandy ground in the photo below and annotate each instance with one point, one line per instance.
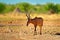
(23, 32)
(16, 36)
(27, 33)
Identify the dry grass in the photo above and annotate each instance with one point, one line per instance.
(19, 31)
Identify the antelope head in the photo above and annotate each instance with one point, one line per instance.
(28, 19)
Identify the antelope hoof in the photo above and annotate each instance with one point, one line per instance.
(35, 33)
(40, 33)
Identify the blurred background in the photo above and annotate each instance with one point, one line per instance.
(37, 6)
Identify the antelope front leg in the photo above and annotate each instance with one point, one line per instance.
(40, 30)
(35, 33)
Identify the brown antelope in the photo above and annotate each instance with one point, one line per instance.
(36, 22)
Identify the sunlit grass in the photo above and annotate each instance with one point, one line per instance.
(23, 16)
(51, 24)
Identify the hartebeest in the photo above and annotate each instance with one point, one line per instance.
(36, 22)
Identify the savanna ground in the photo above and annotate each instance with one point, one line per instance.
(13, 27)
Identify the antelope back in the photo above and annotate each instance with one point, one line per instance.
(36, 21)
(39, 21)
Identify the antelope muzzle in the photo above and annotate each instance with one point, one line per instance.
(27, 24)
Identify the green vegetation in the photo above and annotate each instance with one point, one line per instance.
(26, 7)
(2, 7)
(9, 8)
